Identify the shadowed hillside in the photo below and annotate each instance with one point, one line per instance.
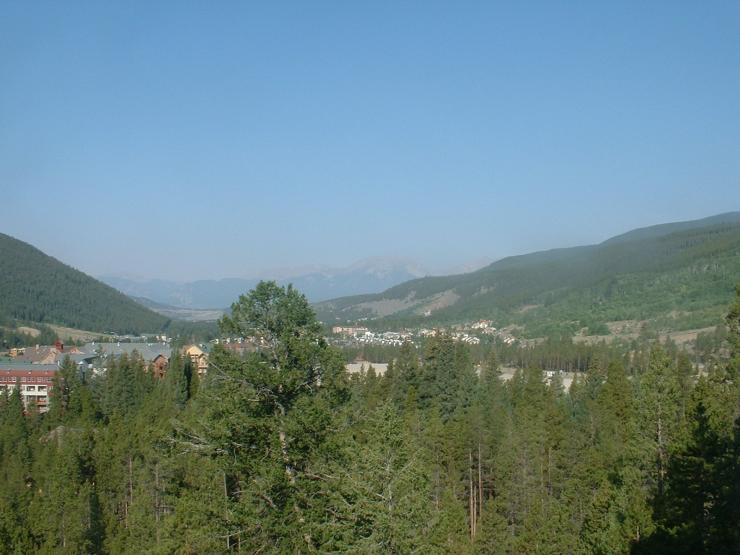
(38, 288)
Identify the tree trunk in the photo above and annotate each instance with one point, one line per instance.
(471, 504)
(156, 499)
(226, 512)
(480, 483)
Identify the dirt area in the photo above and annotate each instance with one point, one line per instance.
(362, 367)
(686, 336)
(33, 332)
(507, 372)
(386, 307)
(594, 339)
(77, 335)
(441, 300)
(630, 329)
(624, 327)
(527, 307)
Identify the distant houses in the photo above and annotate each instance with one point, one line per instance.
(33, 369)
(156, 356)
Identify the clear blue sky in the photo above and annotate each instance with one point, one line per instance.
(213, 139)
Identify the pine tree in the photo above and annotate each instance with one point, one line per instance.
(16, 481)
(177, 380)
(379, 491)
(266, 417)
(66, 515)
(660, 413)
(407, 373)
(700, 512)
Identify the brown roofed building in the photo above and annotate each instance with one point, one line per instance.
(46, 354)
(159, 366)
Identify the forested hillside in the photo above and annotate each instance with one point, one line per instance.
(35, 287)
(282, 452)
(677, 274)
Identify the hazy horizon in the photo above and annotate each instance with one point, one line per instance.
(286, 272)
(183, 142)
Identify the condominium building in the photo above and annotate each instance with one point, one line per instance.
(35, 380)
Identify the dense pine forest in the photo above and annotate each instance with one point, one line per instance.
(35, 287)
(283, 452)
(37, 290)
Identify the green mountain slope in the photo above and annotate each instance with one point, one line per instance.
(678, 275)
(38, 288)
(664, 229)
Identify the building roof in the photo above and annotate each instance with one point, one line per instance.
(40, 354)
(193, 350)
(46, 354)
(80, 358)
(27, 367)
(148, 351)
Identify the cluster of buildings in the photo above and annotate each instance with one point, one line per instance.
(349, 331)
(470, 333)
(33, 369)
(463, 337)
(362, 335)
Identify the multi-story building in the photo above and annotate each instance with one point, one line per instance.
(198, 357)
(35, 380)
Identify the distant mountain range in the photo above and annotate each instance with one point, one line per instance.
(367, 276)
(676, 275)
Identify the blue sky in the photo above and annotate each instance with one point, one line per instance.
(189, 140)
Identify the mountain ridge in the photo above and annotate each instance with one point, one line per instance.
(36, 287)
(318, 283)
(585, 285)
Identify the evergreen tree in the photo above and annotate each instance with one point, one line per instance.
(265, 418)
(407, 373)
(660, 414)
(701, 512)
(177, 380)
(17, 481)
(379, 491)
(65, 514)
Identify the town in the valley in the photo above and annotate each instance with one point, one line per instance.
(33, 369)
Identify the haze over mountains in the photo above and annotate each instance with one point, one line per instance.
(677, 275)
(370, 275)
